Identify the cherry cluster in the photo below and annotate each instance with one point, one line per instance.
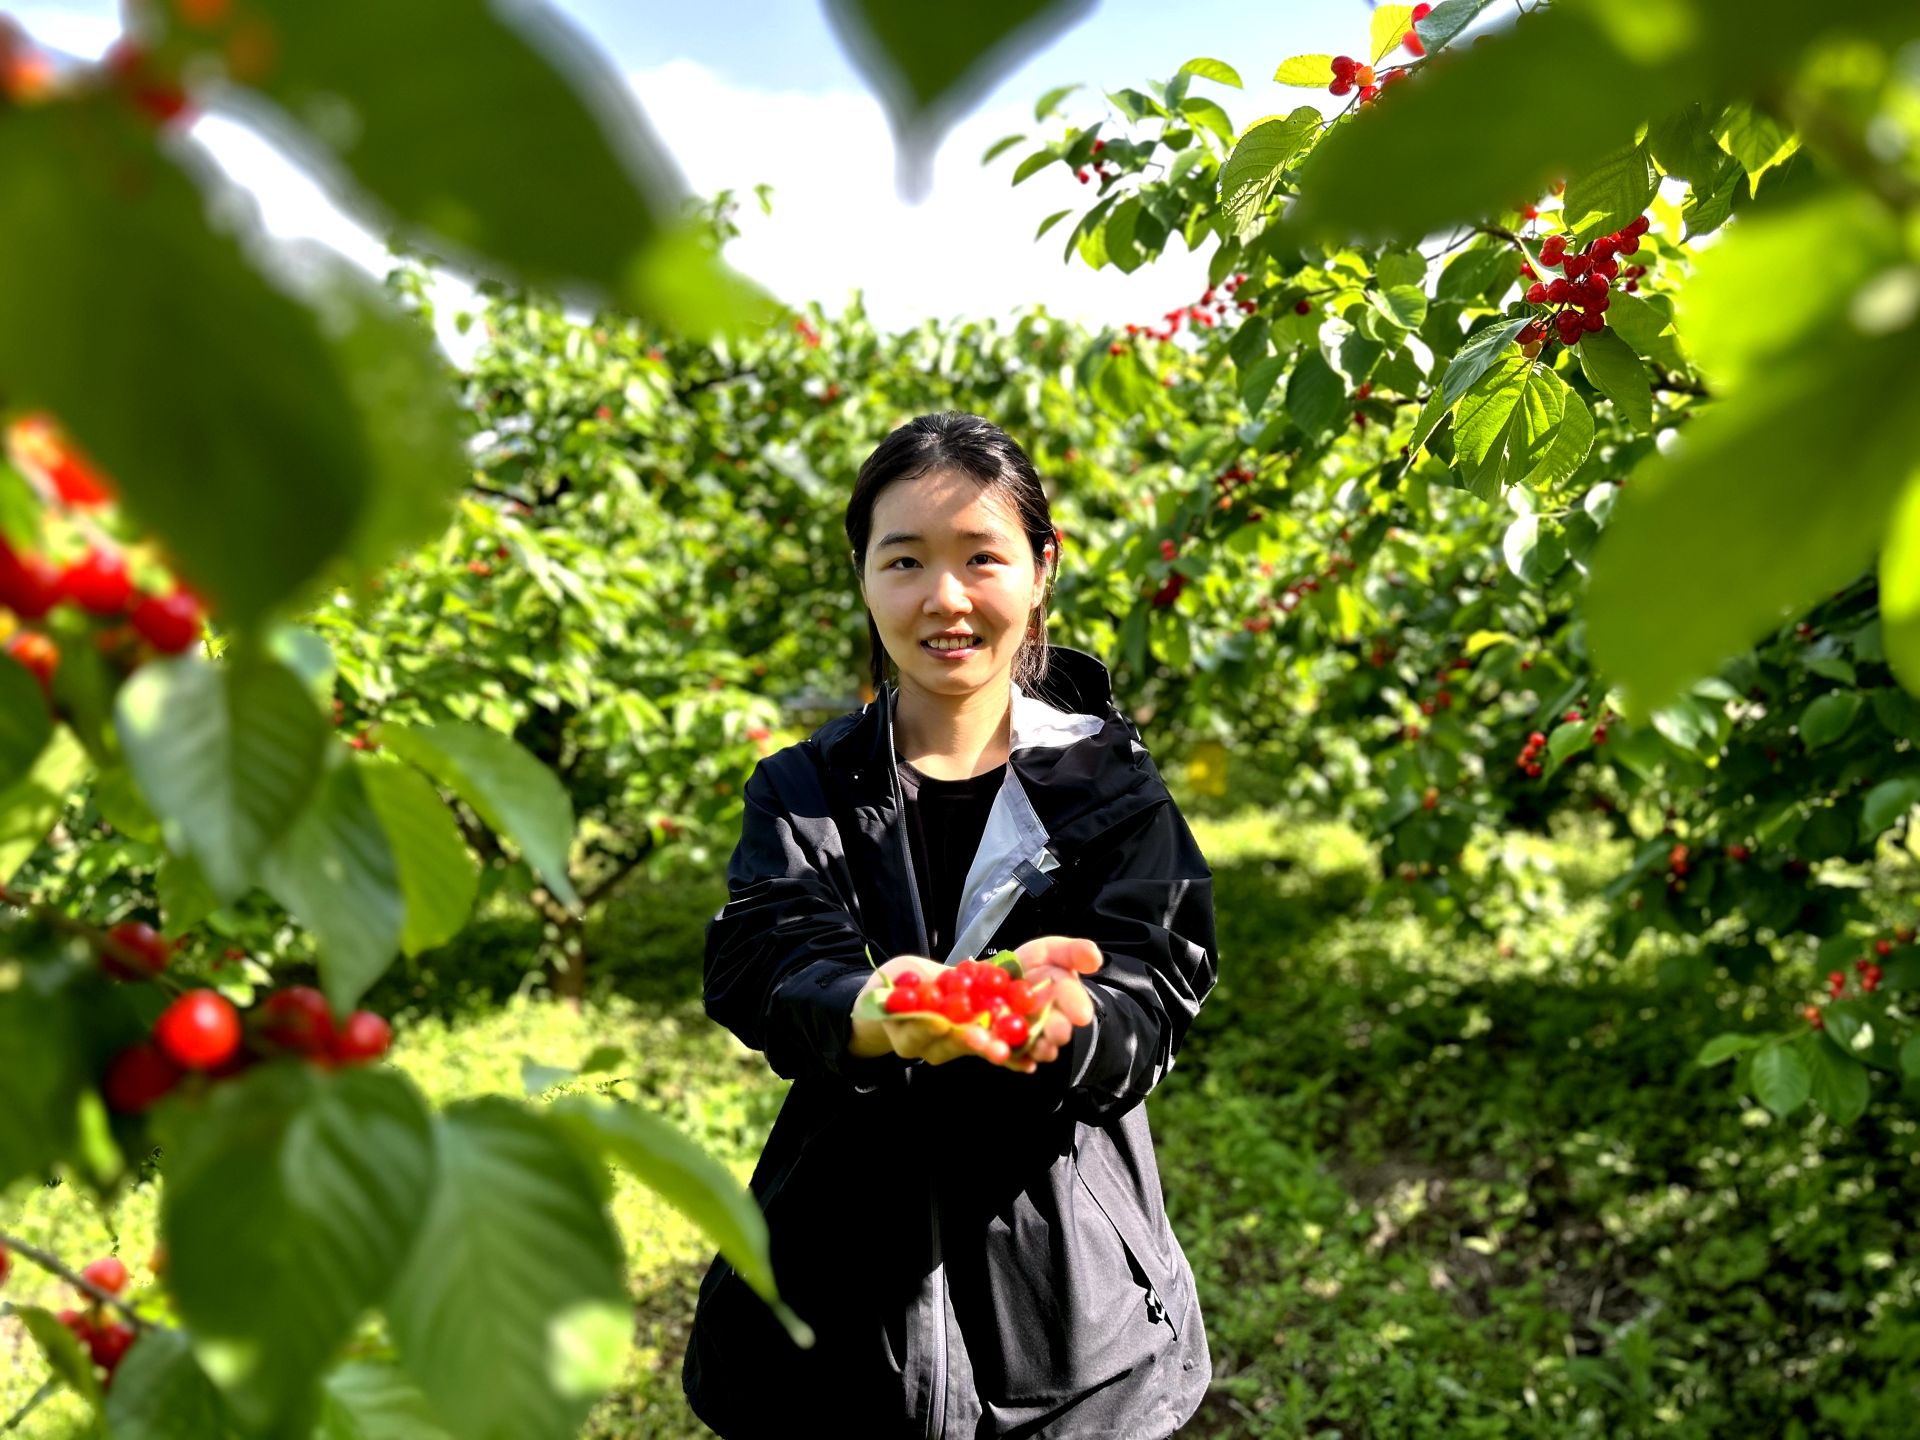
(807, 333)
(201, 1031)
(105, 1341)
(1582, 291)
(1209, 310)
(1083, 174)
(972, 992)
(1350, 74)
(97, 581)
(1867, 969)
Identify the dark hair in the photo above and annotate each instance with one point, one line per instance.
(974, 446)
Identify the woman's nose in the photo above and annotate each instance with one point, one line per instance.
(949, 590)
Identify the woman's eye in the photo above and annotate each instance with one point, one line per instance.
(909, 560)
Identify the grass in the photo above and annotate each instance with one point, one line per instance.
(1428, 1188)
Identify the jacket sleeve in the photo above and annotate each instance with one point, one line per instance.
(784, 959)
(1152, 917)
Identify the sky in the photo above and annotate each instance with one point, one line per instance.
(744, 92)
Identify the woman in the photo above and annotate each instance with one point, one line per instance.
(977, 1240)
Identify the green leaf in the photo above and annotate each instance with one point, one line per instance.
(161, 1393)
(25, 722)
(929, 63)
(115, 230)
(1886, 802)
(366, 1401)
(292, 1197)
(513, 793)
(335, 873)
(226, 755)
(1840, 1086)
(1568, 452)
(1646, 327)
(1477, 356)
(1252, 171)
(516, 1256)
(70, 1364)
(1728, 529)
(30, 806)
(1049, 103)
(439, 877)
(690, 1180)
(552, 178)
(182, 891)
(1446, 20)
(1899, 606)
(1828, 717)
(1208, 114)
(1724, 1047)
(1506, 424)
(1910, 1057)
(1000, 147)
(1308, 72)
(1315, 393)
(1757, 141)
(1781, 1079)
(413, 428)
(1602, 197)
(1405, 305)
(1388, 28)
(1258, 382)
(1535, 556)
(1619, 374)
(1215, 70)
(1051, 221)
(1034, 164)
(1733, 338)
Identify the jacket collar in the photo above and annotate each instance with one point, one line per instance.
(1079, 760)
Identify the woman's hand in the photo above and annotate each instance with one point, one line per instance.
(1053, 965)
(917, 1037)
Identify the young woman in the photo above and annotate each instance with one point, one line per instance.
(977, 1240)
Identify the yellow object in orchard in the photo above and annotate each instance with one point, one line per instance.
(1207, 769)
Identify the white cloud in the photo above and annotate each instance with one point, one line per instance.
(838, 225)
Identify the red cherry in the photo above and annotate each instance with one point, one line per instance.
(150, 952)
(1341, 86)
(1012, 1030)
(1367, 92)
(29, 585)
(1814, 1017)
(138, 1076)
(200, 1030)
(170, 623)
(109, 1343)
(297, 1018)
(1082, 176)
(1343, 67)
(1639, 225)
(958, 1007)
(1303, 307)
(109, 1274)
(1594, 321)
(1552, 250)
(79, 1324)
(1883, 947)
(901, 1000)
(1537, 292)
(98, 582)
(365, 1036)
(1576, 266)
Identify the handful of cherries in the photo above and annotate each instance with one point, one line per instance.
(988, 993)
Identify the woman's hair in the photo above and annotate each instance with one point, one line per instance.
(955, 440)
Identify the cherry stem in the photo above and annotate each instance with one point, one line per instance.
(99, 939)
(53, 1266)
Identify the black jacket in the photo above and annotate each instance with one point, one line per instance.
(980, 1253)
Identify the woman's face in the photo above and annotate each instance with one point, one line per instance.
(947, 554)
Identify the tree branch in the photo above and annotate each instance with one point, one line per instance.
(53, 1266)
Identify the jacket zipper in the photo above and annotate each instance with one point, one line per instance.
(936, 1413)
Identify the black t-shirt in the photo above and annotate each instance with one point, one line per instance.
(945, 820)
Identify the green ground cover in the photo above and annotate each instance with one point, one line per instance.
(1427, 1188)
